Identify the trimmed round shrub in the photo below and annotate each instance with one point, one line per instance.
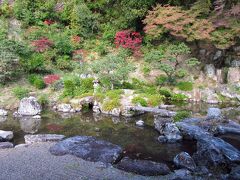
(185, 86)
(139, 100)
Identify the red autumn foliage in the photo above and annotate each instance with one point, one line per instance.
(50, 79)
(54, 127)
(48, 22)
(129, 40)
(42, 44)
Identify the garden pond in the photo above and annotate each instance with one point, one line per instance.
(137, 142)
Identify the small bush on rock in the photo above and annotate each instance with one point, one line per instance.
(185, 86)
(181, 115)
(20, 92)
(139, 101)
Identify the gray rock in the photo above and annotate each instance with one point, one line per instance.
(140, 123)
(29, 107)
(159, 123)
(215, 151)
(3, 112)
(233, 75)
(159, 112)
(210, 150)
(235, 63)
(217, 55)
(184, 160)
(172, 133)
(214, 113)
(210, 71)
(179, 174)
(191, 131)
(143, 167)
(6, 135)
(88, 148)
(5, 145)
(221, 129)
(29, 139)
(65, 108)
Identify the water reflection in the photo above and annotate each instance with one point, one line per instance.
(29, 124)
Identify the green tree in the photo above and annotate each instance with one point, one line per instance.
(112, 70)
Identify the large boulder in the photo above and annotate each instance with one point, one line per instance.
(210, 150)
(3, 112)
(6, 135)
(29, 139)
(184, 160)
(29, 107)
(215, 151)
(88, 148)
(143, 167)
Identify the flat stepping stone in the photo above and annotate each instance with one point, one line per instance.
(88, 148)
(143, 167)
(5, 145)
(29, 139)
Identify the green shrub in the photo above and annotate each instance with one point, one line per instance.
(165, 92)
(109, 105)
(39, 83)
(161, 80)
(179, 97)
(139, 100)
(64, 63)
(69, 88)
(114, 94)
(185, 86)
(181, 115)
(155, 100)
(34, 63)
(86, 85)
(43, 99)
(20, 92)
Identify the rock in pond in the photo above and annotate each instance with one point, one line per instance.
(214, 113)
(65, 108)
(143, 167)
(140, 123)
(184, 160)
(6, 135)
(169, 131)
(5, 145)
(3, 112)
(210, 150)
(29, 107)
(88, 148)
(29, 139)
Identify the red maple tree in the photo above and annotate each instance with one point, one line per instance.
(42, 44)
(129, 40)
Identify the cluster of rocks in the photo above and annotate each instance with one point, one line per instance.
(5, 136)
(211, 151)
(75, 105)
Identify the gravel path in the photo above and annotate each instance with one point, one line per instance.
(36, 163)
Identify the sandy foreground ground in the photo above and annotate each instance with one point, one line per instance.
(36, 163)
